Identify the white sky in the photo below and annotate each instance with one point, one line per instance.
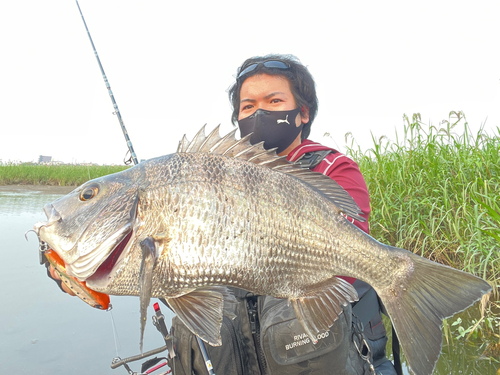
(170, 63)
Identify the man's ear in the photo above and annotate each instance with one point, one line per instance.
(304, 114)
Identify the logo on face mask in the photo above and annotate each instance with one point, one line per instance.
(282, 121)
(264, 127)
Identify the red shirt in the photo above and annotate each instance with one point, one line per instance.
(346, 173)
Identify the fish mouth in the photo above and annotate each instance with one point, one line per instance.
(103, 273)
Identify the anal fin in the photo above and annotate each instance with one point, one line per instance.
(321, 306)
(201, 311)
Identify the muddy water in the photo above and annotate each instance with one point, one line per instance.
(44, 331)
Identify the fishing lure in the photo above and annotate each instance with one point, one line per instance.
(95, 299)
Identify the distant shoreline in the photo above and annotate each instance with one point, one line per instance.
(53, 175)
(20, 188)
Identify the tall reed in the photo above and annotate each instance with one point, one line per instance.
(436, 193)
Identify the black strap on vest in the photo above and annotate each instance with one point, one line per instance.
(363, 309)
(396, 353)
(312, 159)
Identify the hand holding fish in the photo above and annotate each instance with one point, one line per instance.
(55, 276)
(56, 269)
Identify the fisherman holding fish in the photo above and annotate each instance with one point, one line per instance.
(274, 98)
(258, 257)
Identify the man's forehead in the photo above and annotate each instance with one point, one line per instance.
(270, 79)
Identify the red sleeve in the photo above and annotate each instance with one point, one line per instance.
(346, 173)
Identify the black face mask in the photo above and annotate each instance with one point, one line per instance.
(275, 128)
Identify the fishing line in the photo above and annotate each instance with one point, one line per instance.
(115, 333)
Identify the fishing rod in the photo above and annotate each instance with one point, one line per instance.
(115, 106)
(159, 319)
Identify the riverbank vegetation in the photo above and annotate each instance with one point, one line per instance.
(435, 191)
(55, 175)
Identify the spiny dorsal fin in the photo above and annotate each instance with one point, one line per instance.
(212, 139)
(257, 154)
(198, 140)
(183, 144)
(225, 144)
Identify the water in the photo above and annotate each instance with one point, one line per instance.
(45, 331)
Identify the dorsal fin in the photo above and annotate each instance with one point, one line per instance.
(198, 140)
(257, 154)
(183, 143)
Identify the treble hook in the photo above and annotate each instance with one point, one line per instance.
(42, 245)
(31, 230)
(38, 226)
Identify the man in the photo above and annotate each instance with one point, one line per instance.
(274, 98)
(265, 90)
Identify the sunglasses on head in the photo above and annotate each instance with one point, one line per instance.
(268, 64)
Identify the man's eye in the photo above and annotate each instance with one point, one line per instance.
(247, 107)
(275, 100)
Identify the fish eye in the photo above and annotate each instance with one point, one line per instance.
(89, 192)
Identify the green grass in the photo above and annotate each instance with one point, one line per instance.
(57, 175)
(436, 193)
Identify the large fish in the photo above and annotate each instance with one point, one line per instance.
(221, 212)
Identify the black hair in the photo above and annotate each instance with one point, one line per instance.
(301, 83)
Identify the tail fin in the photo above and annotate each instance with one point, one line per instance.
(421, 301)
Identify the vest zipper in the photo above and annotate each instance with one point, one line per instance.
(255, 328)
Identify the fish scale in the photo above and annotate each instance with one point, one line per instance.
(222, 212)
(193, 183)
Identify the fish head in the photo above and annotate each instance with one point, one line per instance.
(93, 221)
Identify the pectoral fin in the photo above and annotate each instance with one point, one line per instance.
(320, 307)
(149, 256)
(201, 311)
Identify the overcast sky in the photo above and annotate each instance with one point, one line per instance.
(170, 63)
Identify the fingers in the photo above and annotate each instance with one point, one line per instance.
(53, 273)
(67, 290)
(55, 276)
